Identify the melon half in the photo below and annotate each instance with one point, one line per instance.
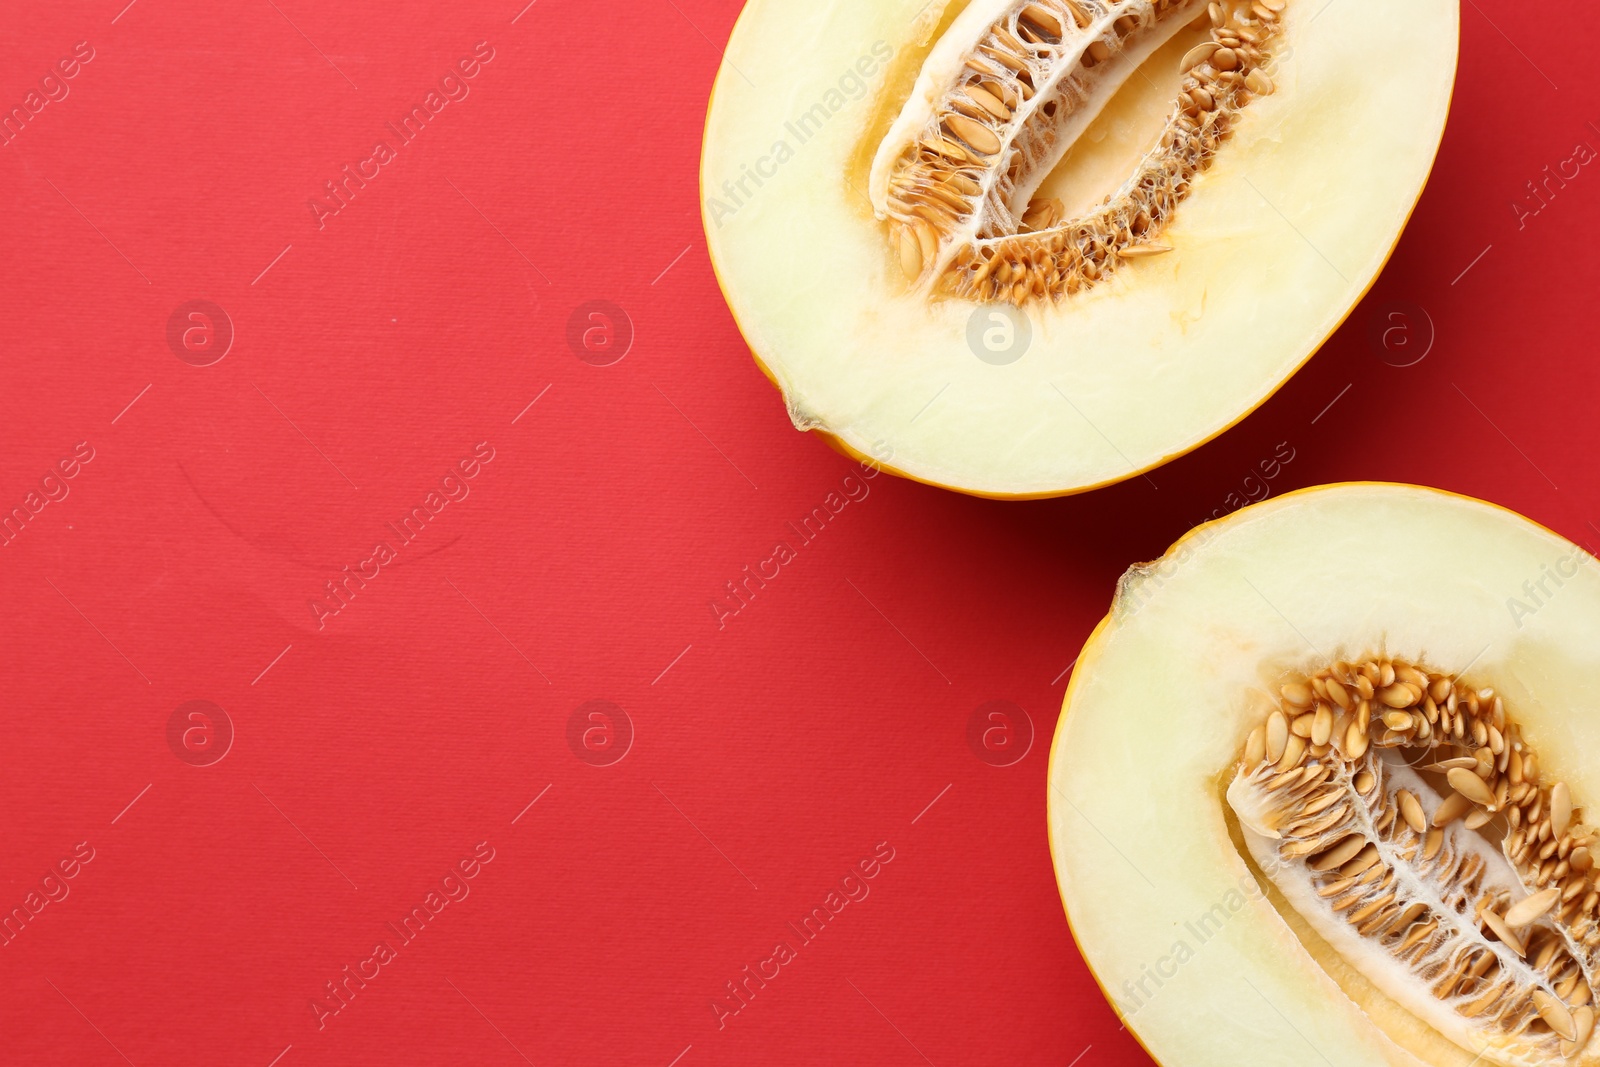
(1023, 248)
(1318, 791)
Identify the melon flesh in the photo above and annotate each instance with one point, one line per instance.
(1274, 244)
(1208, 953)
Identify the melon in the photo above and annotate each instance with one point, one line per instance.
(1318, 790)
(1022, 248)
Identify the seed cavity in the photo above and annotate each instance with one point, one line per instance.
(1401, 812)
(956, 176)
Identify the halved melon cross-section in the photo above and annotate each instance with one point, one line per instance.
(958, 170)
(1353, 827)
(1023, 248)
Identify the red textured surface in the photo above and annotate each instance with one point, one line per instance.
(770, 755)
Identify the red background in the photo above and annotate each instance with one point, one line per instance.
(770, 755)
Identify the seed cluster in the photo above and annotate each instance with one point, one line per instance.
(1504, 935)
(952, 202)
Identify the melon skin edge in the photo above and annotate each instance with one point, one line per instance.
(842, 441)
(1379, 1047)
